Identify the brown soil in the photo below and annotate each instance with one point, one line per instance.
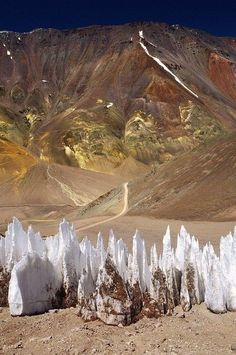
(196, 332)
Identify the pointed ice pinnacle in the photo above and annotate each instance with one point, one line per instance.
(32, 286)
(112, 284)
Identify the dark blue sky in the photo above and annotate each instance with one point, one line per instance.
(216, 17)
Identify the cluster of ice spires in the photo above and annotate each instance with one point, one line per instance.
(110, 283)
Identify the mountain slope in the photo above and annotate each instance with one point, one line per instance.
(93, 97)
(199, 185)
(119, 100)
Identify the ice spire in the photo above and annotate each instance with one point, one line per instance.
(113, 284)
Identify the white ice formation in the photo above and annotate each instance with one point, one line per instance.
(111, 283)
(159, 62)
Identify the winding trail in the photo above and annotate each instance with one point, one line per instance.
(124, 210)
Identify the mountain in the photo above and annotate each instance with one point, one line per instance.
(124, 101)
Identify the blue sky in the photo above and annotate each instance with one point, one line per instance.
(216, 17)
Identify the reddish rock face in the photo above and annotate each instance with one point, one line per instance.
(222, 72)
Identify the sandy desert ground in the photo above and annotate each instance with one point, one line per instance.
(196, 332)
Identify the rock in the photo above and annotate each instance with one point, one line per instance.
(112, 299)
(108, 343)
(233, 347)
(53, 311)
(180, 315)
(46, 339)
(131, 345)
(79, 351)
(18, 345)
(33, 339)
(128, 334)
(158, 325)
(4, 284)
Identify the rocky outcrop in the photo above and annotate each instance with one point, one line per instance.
(222, 71)
(4, 285)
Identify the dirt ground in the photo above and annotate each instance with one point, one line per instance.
(196, 332)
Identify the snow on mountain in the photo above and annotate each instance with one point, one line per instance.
(158, 61)
(112, 284)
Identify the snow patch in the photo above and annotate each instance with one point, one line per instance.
(141, 34)
(158, 61)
